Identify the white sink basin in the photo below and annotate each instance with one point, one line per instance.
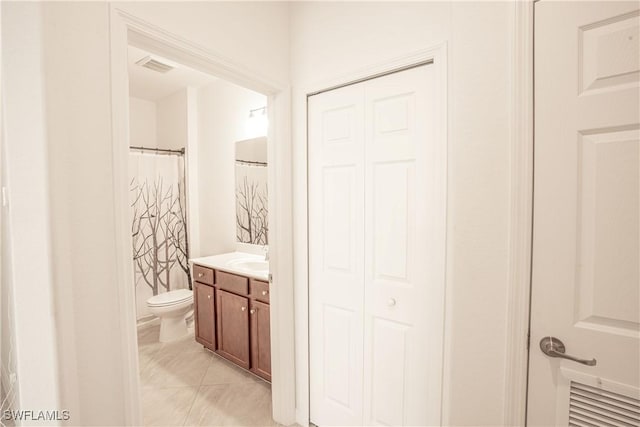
(257, 266)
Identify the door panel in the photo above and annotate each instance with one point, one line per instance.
(260, 340)
(387, 395)
(336, 203)
(586, 241)
(374, 272)
(397, 215)
(233, 327)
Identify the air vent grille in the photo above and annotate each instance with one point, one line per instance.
(594, 407)
(154, 64)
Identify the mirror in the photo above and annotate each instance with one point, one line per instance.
(252, 217)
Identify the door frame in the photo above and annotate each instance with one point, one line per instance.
(438, 55)
(520, 211)
(128, 29)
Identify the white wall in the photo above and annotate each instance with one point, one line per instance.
(9, 386)
(26, 265)
(172, 113)
(334, 39)
(223, 111)
(82, 210)
(71, 160)
(142, 123)
(159, 124)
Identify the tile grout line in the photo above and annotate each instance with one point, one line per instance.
(195, 397)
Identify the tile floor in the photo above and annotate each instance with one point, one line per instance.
(182, 384)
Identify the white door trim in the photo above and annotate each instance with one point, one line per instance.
(438, 54)
(521, 212)
(125, 29)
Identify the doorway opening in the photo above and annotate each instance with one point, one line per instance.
(190, 130)
(198, 188)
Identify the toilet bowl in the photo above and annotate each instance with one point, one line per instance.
(172, 308)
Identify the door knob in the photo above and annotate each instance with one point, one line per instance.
(553, 347)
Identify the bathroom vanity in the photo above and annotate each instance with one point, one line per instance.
(231, 300)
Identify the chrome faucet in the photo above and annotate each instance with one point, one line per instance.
(265, 249)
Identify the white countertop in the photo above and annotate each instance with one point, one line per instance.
(225, 262)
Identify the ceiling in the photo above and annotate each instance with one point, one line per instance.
(152, 85)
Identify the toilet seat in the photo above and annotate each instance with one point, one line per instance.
(170, 298)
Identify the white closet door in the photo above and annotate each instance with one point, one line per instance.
(398, 236)
(376, 252)
(336, 245)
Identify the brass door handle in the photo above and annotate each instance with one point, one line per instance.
(553, 347)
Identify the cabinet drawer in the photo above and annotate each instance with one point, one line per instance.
(232, 283)
(260, 290)
(203, 275)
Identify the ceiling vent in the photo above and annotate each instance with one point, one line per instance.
(153, 64)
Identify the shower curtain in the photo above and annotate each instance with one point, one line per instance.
(158, 226)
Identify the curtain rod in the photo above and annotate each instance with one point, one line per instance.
(250, 163)
(159, 150)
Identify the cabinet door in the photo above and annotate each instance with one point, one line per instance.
(260, 340)
(205, 320)
(232, 316)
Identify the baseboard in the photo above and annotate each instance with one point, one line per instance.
(147, 322)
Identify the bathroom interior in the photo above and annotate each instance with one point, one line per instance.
(199, 234)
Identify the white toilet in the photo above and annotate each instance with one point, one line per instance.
(172, 308)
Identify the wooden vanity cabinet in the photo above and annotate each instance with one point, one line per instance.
(232, 318)
(232, 315)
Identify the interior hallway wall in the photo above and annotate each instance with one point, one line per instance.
(223, 112)
(29, 348)
(256, 35)
(331, 39)
(79, 175)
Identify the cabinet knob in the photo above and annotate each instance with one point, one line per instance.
(209, 296)
(391, 302)
(253, 310)
(243, 308)
(200, 274)
(264, 293)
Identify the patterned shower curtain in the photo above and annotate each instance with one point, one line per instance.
(158, 226)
